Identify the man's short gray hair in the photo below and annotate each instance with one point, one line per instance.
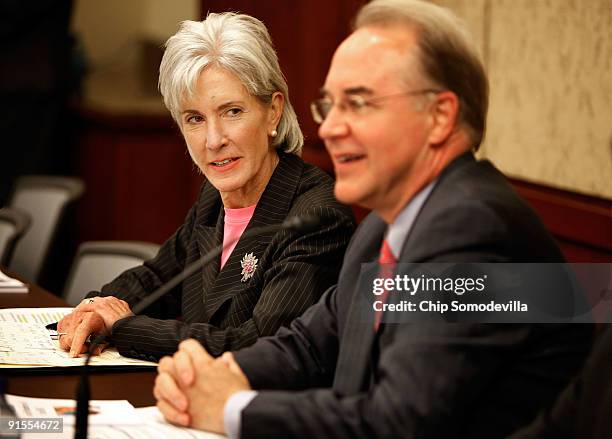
(239, 44)
(448, 57)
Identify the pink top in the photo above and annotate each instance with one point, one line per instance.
(236, 220)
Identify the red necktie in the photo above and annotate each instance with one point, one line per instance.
(387, 262)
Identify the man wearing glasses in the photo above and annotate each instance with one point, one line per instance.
(402, 110)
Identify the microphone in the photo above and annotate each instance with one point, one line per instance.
(305, 223)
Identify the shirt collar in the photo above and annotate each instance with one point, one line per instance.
(399, 229)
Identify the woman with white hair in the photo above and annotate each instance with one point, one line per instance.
(222, 83)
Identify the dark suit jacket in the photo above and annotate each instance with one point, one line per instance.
(584, 409)
(417, 380)
(217, 307)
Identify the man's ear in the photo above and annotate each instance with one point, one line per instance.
(444, 112)
(277, 104)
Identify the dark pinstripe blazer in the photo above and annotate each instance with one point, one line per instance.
(217, 307)
(425, 379)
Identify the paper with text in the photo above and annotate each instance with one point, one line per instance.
(25, 342)
(107, 419)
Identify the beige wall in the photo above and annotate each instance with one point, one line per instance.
(111, 29)
(550, 67)
(122, 70)
(163, 16)
(549, 62)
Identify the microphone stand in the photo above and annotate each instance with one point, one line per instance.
(306, 223)
(83, 392)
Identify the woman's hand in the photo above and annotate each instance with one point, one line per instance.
(94, 316)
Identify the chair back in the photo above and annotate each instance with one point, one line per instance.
(99, 262)
(13, 224)
(45, 199)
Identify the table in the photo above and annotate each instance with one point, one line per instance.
(135, 386)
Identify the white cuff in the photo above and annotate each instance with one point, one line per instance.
(233, 410)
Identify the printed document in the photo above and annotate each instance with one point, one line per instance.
(107, 419)
(25, 342)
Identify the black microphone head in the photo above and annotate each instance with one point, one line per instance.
(304, 223)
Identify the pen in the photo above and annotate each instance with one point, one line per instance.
(59, 334)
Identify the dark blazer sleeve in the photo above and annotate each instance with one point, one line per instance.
(137, 283)
(427, 379)
(299, 357)
(428, 375)
(301, 268)
(419, 393)
(421, 378)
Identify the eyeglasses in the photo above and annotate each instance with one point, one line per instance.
(356, 104)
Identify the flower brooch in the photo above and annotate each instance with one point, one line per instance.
(249, 264)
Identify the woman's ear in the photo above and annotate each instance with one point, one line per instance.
(277, 104)
(444, 112)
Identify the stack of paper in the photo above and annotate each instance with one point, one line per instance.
(43, 316)
(25, 342)
(10, 285)
(107, 419)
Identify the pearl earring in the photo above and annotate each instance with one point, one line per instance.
(274, 133)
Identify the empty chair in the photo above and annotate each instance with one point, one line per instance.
(45, 199)
(13, 224)
(98, 262)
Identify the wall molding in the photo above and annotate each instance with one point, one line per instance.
(582, 224)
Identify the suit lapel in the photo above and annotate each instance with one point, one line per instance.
(355, 356)
(418, 244)
(208, 235)
(272, 208)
